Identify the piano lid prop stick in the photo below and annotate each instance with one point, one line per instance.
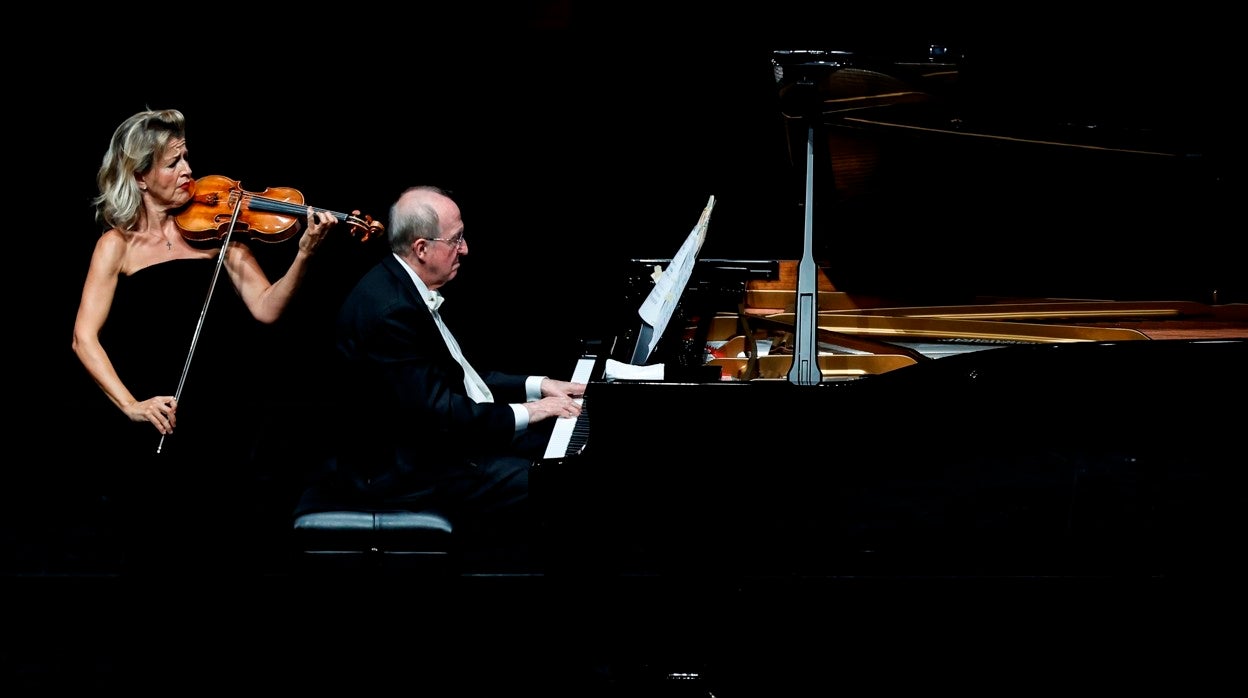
(805, 369)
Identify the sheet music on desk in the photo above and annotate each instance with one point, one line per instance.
(569, 434)
(656, 311)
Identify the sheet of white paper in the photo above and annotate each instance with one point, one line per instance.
(661, 303)
(619, 370)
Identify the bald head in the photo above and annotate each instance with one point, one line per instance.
(420, 212)
(426, 230)
(416, 197)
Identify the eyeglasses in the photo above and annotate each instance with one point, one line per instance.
(454, 242)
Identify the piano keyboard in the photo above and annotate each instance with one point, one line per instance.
(570, 432)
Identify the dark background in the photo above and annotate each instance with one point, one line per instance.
(577, 136)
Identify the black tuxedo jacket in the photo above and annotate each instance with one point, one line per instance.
(408, 421)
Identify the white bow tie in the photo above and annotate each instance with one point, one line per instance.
(434, 300)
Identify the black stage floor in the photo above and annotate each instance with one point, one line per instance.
(618, 637)
(72, 621)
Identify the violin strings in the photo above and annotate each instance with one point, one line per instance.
(278, 206)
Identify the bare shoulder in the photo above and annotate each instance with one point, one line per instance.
(110, 249)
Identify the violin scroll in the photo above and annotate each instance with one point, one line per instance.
(364, 226)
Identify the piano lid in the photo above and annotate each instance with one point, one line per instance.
(1094, 92)
(823, 84)
(961, 172)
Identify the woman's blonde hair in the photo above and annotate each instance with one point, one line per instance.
(133, 150)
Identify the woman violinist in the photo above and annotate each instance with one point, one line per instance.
(143, 297)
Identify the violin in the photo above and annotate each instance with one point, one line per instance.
(268, 216)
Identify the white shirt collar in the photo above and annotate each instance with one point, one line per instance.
(432, 298)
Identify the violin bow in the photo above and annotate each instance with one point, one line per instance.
(199, 326)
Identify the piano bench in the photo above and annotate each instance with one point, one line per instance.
(345, 540)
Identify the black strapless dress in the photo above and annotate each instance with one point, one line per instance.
(193, 495)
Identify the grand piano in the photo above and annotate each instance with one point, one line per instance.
(942, 431)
